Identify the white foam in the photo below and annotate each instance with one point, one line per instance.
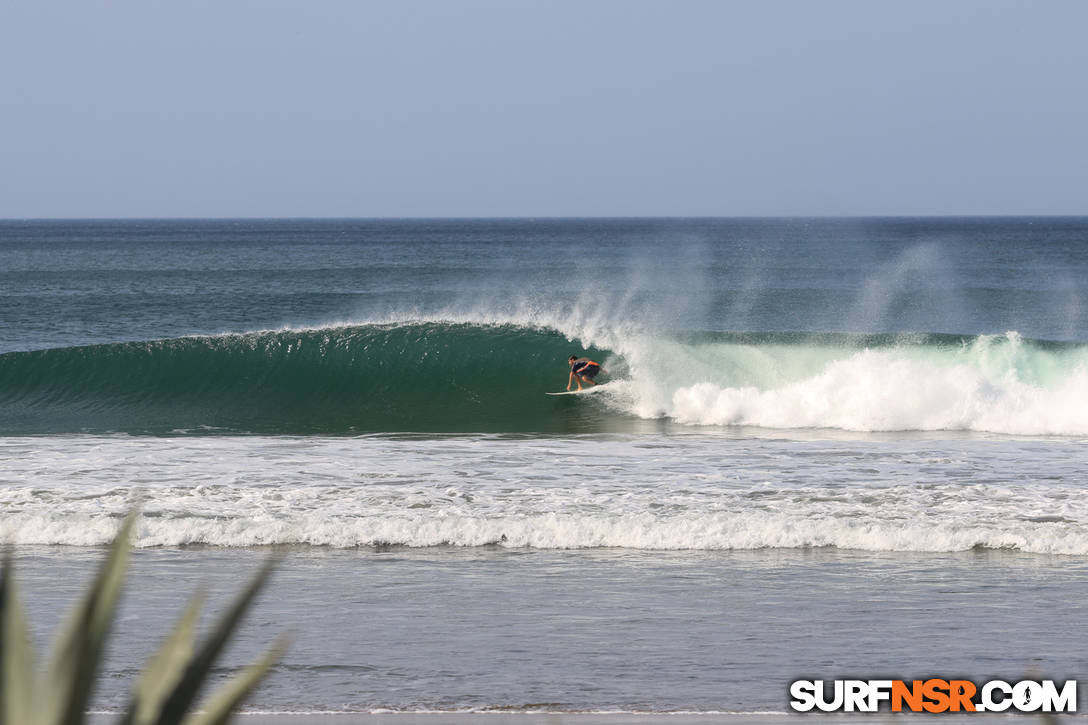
(889, 391)
(638, 492)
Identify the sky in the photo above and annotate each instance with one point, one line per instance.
(474, 108)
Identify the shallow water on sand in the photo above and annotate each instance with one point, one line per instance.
(604, 629)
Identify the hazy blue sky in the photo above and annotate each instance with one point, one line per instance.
(551, 108)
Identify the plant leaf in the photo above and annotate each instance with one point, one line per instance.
(16, 654)
(229, 696)
(165, 669)
(77, 651)
(188, 688)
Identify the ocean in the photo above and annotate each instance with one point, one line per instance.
(827, 449)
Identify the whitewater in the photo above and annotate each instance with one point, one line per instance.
(693, 492)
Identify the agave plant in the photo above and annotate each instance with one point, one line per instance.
(165, 693)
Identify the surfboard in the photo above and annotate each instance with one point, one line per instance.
(583, 391)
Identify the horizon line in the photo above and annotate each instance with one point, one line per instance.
(543, 217)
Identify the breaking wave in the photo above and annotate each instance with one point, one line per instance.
(471, 376)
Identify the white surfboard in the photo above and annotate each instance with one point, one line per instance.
(583, 391)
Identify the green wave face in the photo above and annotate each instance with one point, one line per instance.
(425, 377)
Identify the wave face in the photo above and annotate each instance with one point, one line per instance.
(458, 376)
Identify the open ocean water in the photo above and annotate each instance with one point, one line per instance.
(829, 448)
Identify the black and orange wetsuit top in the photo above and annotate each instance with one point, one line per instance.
(584, 366)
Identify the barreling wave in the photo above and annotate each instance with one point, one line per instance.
(444, 376)
(399, 377)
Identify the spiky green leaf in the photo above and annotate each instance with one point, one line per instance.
(165, 670)
(221, 704)
(16, 654)
(184, 695)
(78, 650)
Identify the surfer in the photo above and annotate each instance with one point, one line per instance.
(583, 369)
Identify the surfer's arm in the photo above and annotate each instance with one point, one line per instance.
(570, 379)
